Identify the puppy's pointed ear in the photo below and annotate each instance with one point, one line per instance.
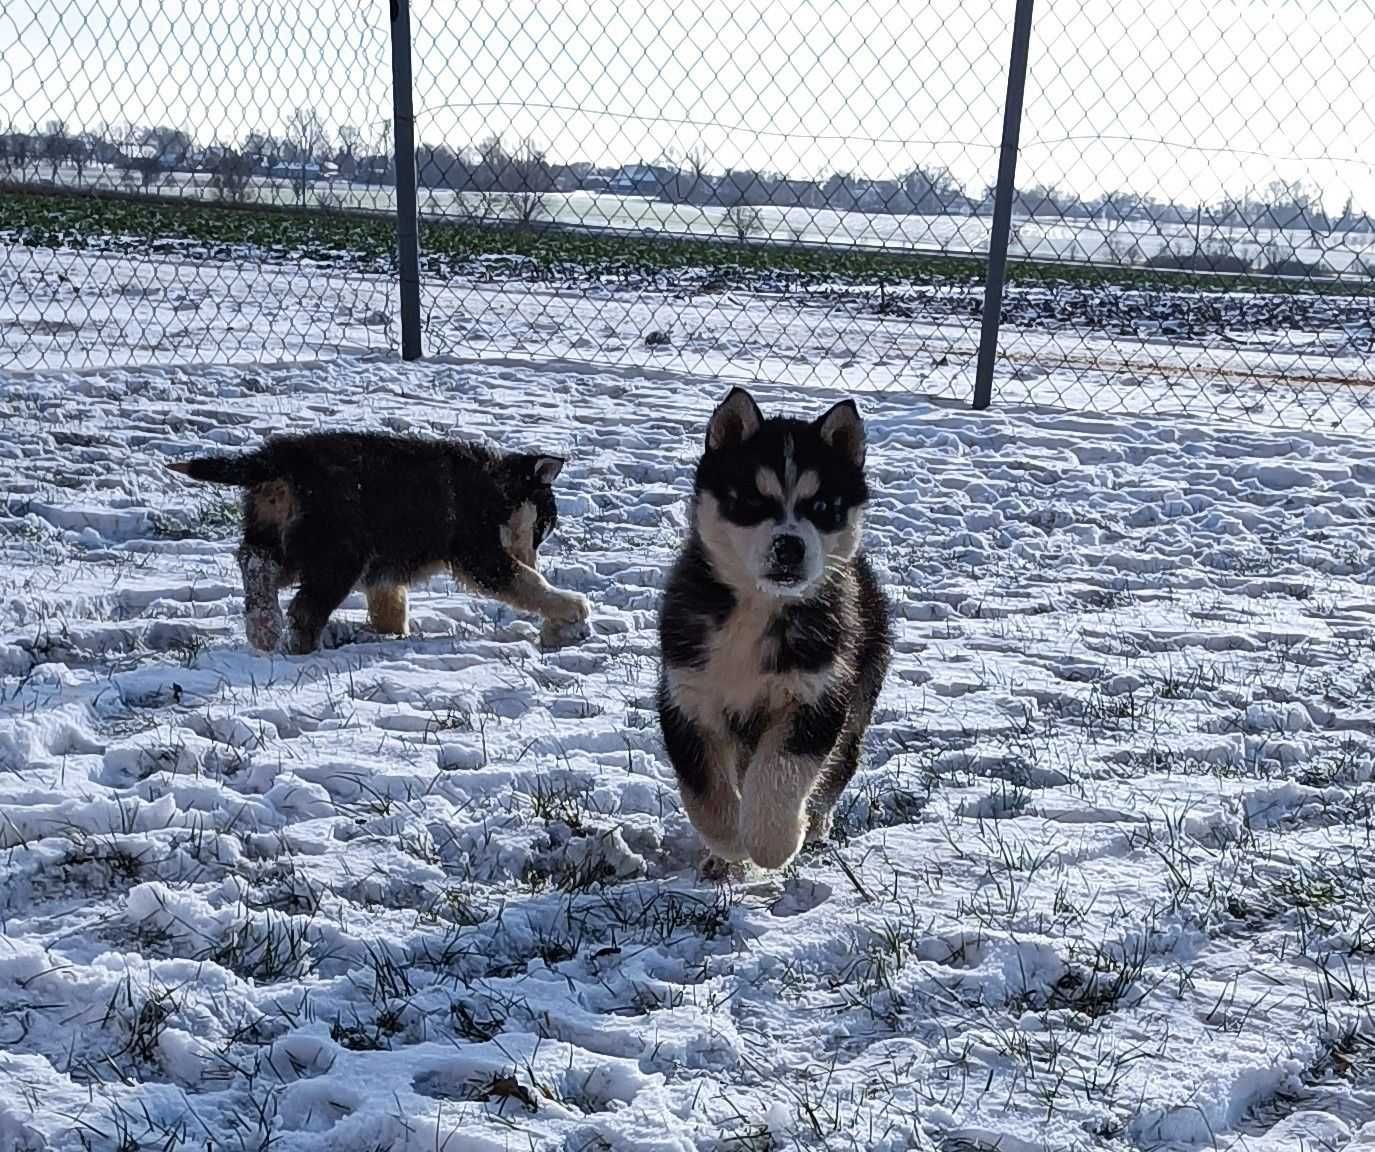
(843, 430)
(545, 469)
(527, 471)
(735, 420)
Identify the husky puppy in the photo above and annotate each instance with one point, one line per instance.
(329, 511)
(773, 630)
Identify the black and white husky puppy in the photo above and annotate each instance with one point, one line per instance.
(330, 511)
(774, 631)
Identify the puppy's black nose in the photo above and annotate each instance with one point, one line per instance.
(789, 551)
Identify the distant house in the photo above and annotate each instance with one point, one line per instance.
(290, 170)
(636, 180)
(164, 155)
(879, 195)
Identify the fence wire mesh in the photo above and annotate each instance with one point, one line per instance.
(1193, 211)
(746, 189)
(795, 191)
(184, 181)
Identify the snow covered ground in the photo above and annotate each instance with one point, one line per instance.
(1284, 362)
(1104, 881)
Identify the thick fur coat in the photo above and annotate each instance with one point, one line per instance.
(332, 511)
(774, 631)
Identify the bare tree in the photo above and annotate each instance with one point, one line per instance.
(170, 146)
(56, 147)
(492, 164)
(931, 191)
(149, 170)
(1348, 216)
(232, 175)
(350, 140)
(141, 155)
(306, 137)
(840, 192)
(22, 153)
(263, 148)
(744, 220)
(689, 183)
(84, 150)
(699, 187)
(530, 181)
(144, 169)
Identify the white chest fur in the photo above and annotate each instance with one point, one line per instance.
(735, 679)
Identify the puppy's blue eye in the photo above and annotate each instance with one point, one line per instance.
(824, 512)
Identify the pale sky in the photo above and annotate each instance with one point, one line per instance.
(1180, 98)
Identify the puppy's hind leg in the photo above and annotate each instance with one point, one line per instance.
(262, 612)
(840, 770)
(387, 608)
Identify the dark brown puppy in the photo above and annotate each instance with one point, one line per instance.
(330, 511)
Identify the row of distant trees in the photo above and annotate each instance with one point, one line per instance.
(514, 181)
(145, 156)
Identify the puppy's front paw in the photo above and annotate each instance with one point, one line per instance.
(565, 621)
(573, 608)
(561, 633)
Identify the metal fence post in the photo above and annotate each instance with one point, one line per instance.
(407, 214)
(1002, 205)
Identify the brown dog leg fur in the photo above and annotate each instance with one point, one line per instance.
(387, 608)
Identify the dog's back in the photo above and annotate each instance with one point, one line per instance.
(378, 496)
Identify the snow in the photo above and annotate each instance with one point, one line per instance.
(1103, 881)
(1282, 362)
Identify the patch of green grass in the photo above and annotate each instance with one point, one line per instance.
(207, 519)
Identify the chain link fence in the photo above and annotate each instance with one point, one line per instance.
(798, 191)
(187, 181)
(753, 190)
(1193, 212)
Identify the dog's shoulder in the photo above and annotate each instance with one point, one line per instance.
(696, 604)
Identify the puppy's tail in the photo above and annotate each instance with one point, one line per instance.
(241, 471)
